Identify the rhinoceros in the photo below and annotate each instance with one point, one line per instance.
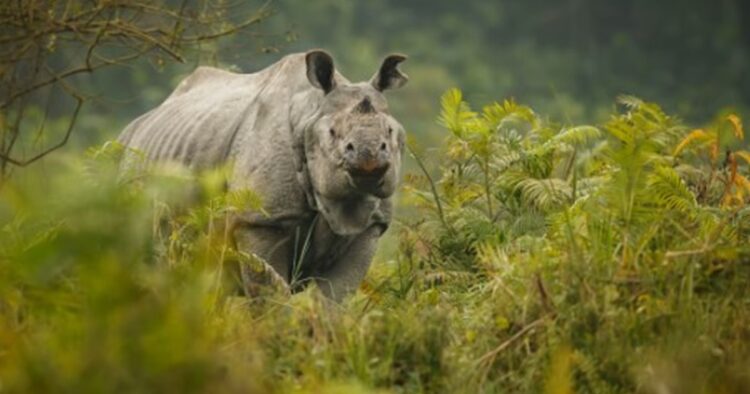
(323, 153)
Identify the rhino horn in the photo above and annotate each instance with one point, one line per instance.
(365, 107)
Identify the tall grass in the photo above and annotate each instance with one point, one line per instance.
(539, 258)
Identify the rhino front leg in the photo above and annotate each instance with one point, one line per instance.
(264, 259)
(346, 273)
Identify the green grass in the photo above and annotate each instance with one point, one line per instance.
(536, 258)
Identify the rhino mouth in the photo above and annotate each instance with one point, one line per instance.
(367, 181)
(367, 174)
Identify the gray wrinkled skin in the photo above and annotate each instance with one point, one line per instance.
(322, 152)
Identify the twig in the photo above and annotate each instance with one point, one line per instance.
(490, 356)
(261, 14)
(433, 188)
(24, 163)
(544, 295)
(709, 245)
(84, 69)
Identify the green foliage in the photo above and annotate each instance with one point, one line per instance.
(87, 306)
(540, 258)
(591, 240)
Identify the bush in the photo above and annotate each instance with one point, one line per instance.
(540, 258)
(629, 242)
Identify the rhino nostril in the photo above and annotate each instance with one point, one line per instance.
(349, 147)
(383, 146)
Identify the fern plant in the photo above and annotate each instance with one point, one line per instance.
(724, 179)
(609, 234)
(506, 169)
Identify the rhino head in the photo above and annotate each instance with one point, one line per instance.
(353, 147)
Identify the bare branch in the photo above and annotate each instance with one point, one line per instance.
(24, 163)
(36, 35)
(57, 77)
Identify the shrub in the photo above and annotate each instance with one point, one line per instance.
(538, 258)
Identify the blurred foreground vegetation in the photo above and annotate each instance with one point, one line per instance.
(542, 258)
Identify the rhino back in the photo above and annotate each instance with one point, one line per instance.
(198, 122)
(215, 116)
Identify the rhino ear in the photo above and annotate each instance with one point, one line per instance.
(320, 70)
(389, 76)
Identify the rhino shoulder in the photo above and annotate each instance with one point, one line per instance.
(201, 76)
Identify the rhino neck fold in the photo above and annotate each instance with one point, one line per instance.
(302, 117)
(350, 216)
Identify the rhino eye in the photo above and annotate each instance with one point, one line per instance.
(390, 131)
(332, 132)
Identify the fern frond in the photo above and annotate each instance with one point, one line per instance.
(744, 155)
(736, 126)
(631, 102)
(654, 114)
(669, 190)
(497, 113)
(510, 179)
(455, 113)
(742, 183)
(577, 135)
(501, 163)
(544, 193)
(619, 130)
(570, 137)
(695, 135)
